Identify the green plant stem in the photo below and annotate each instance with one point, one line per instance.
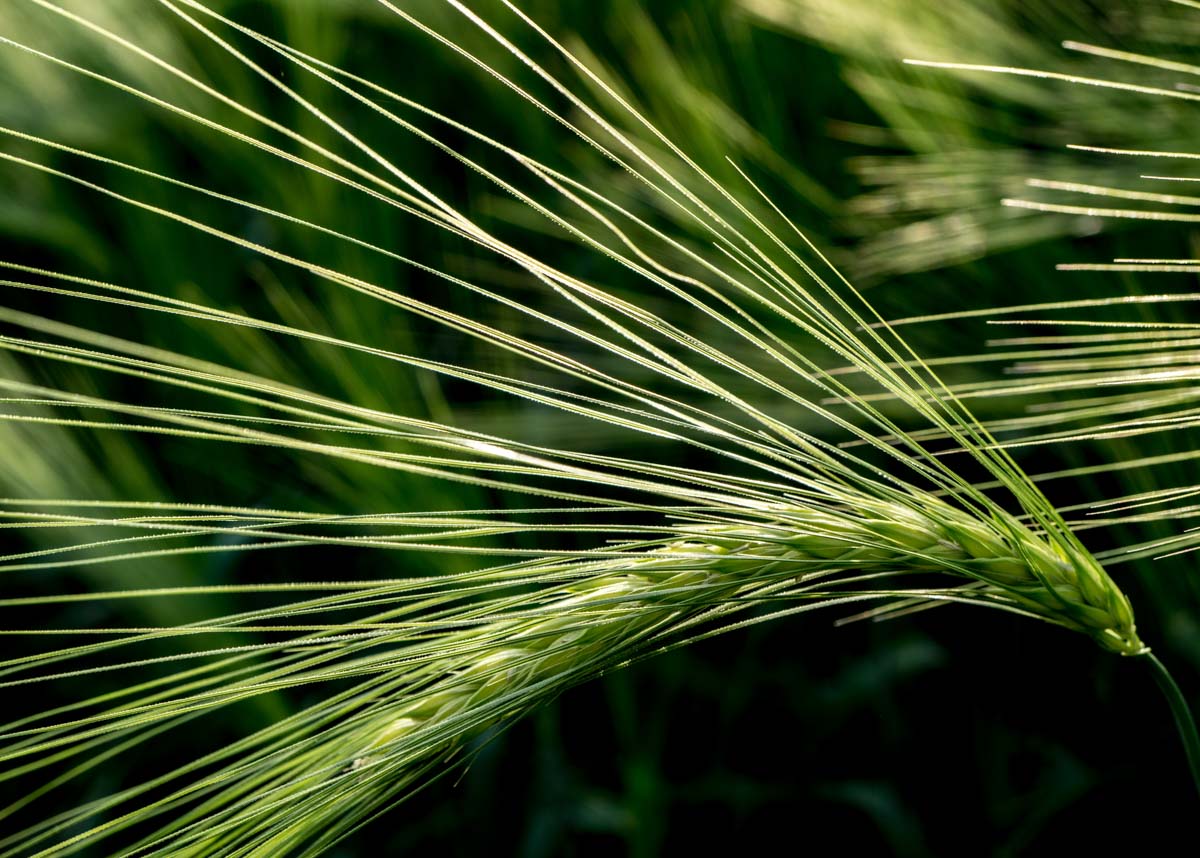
(1184, 721)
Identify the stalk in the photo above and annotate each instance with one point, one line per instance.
(1184, 722)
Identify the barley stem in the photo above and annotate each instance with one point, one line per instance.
(1184, 721)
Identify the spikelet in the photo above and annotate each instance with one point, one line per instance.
(605, 617)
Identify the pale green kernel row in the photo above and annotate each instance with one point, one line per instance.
(605, 614)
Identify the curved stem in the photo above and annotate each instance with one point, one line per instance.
(1184, 721)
